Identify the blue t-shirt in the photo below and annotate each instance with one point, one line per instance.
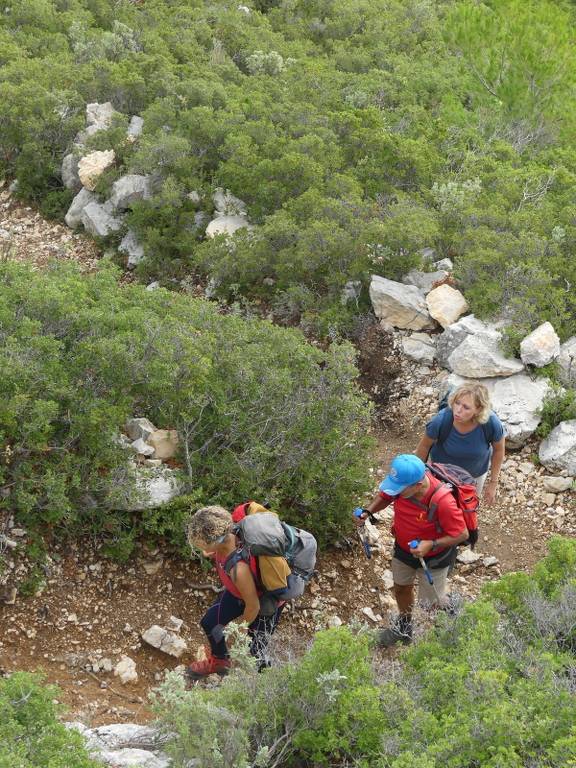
(470, 451)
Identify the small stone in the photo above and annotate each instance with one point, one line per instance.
(467, 556)
(126, 670)
(370, 614)
(490, 561)
(153, 567)
(549, 499)
(527, 468)
(335, 621)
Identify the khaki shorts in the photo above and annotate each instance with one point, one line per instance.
(405, 576)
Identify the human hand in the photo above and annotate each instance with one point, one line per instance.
(424, 546)
(489, 493)
(360, 516)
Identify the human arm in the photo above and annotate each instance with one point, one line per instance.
(244, 582)
(442, 542)
(423, 448)
(380, 501)
(498, 453)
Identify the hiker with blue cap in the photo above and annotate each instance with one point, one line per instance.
(424, 544)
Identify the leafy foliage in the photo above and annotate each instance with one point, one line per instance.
(259, 412)
(357, 132)
(31, 735)
(493, 687)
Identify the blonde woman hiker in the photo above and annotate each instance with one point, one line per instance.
(210, 530)
(470, 435)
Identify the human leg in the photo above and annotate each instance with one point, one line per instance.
(401, 629)
(260, 632)
(225, 610)
(480, 481)
(433, 595)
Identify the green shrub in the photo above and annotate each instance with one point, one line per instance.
(490, 687)
(559, 405)
(260, 413)
(31, 735)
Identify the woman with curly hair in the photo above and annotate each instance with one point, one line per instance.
(469, 434)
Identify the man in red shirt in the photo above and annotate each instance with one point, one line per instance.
(410, 487)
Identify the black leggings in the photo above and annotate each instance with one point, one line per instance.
(228, 608)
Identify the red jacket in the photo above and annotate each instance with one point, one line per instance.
(410, 520)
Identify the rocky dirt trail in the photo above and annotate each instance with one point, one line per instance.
(90, 612)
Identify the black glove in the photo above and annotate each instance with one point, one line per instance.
(473, 538)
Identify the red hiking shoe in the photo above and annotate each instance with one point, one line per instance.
(209, 666)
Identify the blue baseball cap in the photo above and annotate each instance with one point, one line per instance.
(406, 469)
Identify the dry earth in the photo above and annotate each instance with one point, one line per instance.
(91, 609)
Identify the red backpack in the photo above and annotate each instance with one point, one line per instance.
(460, 483)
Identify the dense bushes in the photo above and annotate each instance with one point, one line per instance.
(31, 736)
(493, 687)
(260, 412)
(357, 132)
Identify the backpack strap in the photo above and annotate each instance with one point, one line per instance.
(432, 507)
(445, 425)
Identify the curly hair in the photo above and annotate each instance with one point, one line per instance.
(479, 394)
(209, 524)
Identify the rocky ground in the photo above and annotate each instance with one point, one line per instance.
(90, 613)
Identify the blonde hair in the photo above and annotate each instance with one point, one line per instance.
(209, 524)
(479, 394)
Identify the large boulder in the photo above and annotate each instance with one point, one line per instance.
(446, 304)
(517, 400)
(164, 442)
(424, 280)
(69, 173)
(93, 165)
(479, 358)
(73, 217)
(558, 451)
(455, 334)
(99, 116)
(130, 245)
(140, 428)
(400, 305)
(226, 225)
(125, 745)
(129, 189)
(99, 220)
(541, 346)
(567, 362)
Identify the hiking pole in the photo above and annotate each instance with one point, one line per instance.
(358, 512)
(413, 544)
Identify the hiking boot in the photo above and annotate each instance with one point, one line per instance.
(399, 632)
(210, 666)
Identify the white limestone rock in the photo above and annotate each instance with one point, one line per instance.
(165, 641)
(164, 442)
(73, 217)
(130, 245)
(419, 347)
(99, 220)
(541, 346)
(479, 358)
(400, 305)
(446, 304)
(557, 484)
(100, 116)
(126, 670)
(558, 451)
(93, 165)
(226, 204)
(139, 428)
(455, 334)
(129, 189)
(518, 402)
(567, 362)
(424, 281)
(69, 173)
(227, 225)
